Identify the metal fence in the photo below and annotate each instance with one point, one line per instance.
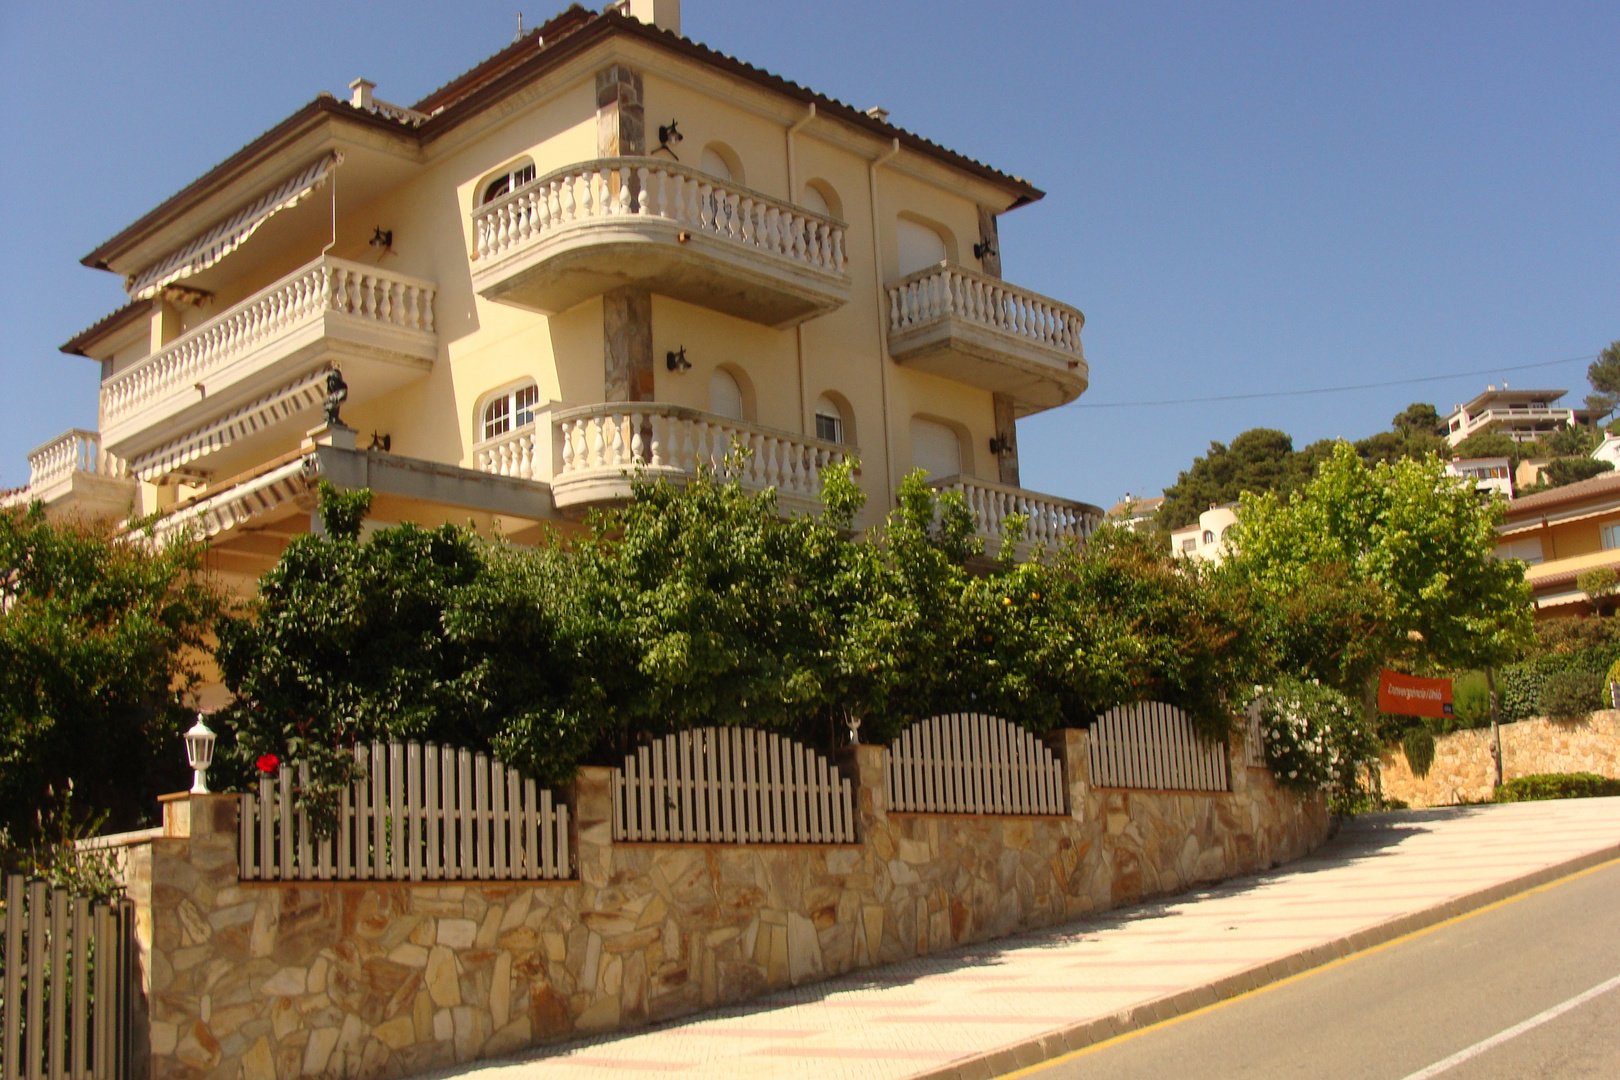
(731, 786)
(969, 763)
(418, 813)
(1152, 745)
(67, 985)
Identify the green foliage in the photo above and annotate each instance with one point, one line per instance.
(99, 636)
(1419, 418)
(1418, 746)
(1610, 679)
(1573, 694)
(1260, 459)
(1470, 702)
(1580, 785)
(1562, 471)
(1419, 541)
(1559, 645)
(1314, 737)
(1489, 444)
(54, 856)
(1599, 584)
(1604, 376)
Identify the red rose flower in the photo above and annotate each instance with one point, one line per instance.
(268, 763)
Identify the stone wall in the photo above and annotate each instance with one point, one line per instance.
(1463, 769)
(273, 981)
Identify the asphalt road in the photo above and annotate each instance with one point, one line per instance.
(1401, 1011)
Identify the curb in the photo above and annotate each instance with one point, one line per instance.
(1061, 1041)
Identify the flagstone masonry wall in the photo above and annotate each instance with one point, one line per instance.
(1463, 770)
(272, 981)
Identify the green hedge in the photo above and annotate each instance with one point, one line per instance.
(1522, 686)
(1581, 785)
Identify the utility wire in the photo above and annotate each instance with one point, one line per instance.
(1326, 389)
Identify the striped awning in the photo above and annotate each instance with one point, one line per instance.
(228, 235)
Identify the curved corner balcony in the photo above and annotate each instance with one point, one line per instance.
(73, 474)
(654, 224)
(262, 361)
(966, 326)
(1050, 521)
(592, 454)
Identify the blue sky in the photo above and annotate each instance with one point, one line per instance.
(1241, 197)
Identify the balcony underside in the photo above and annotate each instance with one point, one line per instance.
(1035, 376)
(590, 258)
(375, 360)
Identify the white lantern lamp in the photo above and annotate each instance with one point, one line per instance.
(200, 754)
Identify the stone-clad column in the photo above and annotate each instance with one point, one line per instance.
(1007, 432)
(593, 825)
(621, 128)
(621, 131)
(1069, 746)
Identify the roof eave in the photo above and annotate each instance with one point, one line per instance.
(106, 326)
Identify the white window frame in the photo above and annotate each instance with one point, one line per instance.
(514, 177)
(835, 425)
(1610, 535)
(509, 410)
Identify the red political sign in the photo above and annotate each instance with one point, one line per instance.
(1408, 695)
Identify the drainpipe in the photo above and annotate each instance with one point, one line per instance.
(883, 315)
(793, 195)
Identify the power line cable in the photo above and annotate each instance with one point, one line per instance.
(1327, 389)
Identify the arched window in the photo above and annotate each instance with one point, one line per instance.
(509, 410)
(822, 197)
(919, 246)
(935, 448)
(1209, 537)
(829, 420)
(509, 179)
(725, 396)
(721, 162)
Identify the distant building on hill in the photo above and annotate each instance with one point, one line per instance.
(1135, 512)
(1561, 533)
(1207, 539)
(1522, 415)
(1488, 474)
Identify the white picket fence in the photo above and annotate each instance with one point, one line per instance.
(1152, 745)
(419, 813)
(969, 763)
(731, 786)
(65, 969)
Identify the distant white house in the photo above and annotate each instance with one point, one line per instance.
(1207, 539)
(1488, 474)
(1135, 512)
(1608, 450)
(1521, 415)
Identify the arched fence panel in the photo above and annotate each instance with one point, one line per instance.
(970, 763)
(731, 786)
(419, 812)
(1152, 745)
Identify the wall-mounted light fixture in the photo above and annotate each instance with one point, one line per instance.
(668, 133)
(676, 360)
(381, 442)
(1000, 445)
(985, 246)
(381, 238)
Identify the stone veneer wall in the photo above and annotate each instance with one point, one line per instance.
(263, 981)
(1463, 769)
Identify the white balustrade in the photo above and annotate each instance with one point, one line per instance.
(657, 439)
(653, 187)
(951, 291)
(1050, 520)
(68, 453)
(513, 454)
(310, 292)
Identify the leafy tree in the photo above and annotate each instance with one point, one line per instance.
(1604, 375)
(1261, 459)
(1419, 418)
(1488, 444)
(1599, 584)
(1560, 472)
(1424, 543)
(100, 636)
(1568, 440)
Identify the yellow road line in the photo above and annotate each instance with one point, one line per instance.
(1030, 1070)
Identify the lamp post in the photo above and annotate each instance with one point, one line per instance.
(200, 754)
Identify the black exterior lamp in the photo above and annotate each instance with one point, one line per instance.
(676, 360)
(668, 133)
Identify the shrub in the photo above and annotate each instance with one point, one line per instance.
(1570, 695)
(1418, 746)
(1314, 736)
(1581, 785)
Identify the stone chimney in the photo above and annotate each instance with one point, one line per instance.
(664, 14)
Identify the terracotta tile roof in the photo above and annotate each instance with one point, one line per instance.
(553, 43)
(1605, 484)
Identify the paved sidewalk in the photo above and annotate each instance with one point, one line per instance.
(982, 1010)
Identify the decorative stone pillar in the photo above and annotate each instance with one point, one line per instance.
(593, 825)
(1068, 745)
(627, 352)
(989, 234)
(868, 770)
(1007, 432)
(621, 128)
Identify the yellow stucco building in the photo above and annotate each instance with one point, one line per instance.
(606, 248)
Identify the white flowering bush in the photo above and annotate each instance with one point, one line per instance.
(1314, 736)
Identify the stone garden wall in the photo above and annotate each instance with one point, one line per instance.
(1463, 770)
(271, 981)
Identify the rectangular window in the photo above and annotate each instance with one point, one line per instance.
(1528, 551)
(524, 402)
(829, 428)
(1190, 544)
(1611, 536)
